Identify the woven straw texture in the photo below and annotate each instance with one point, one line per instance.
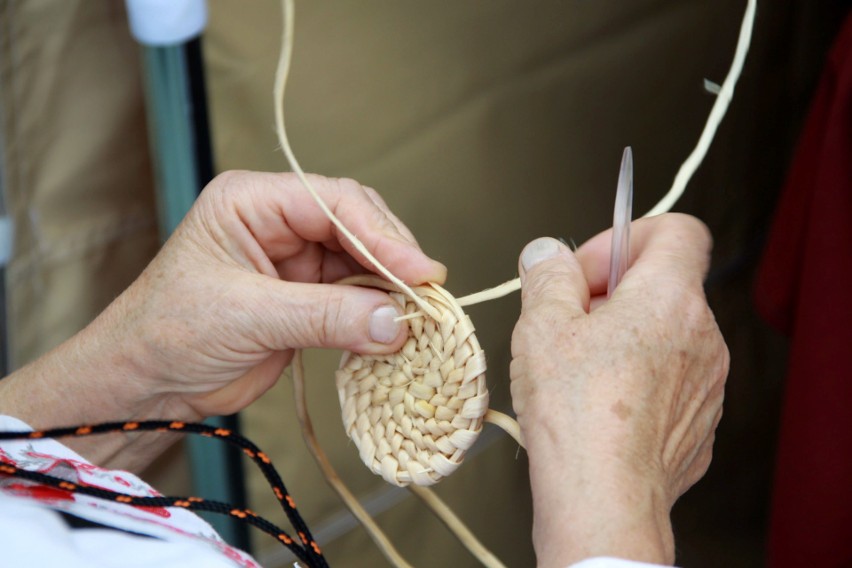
(414, 414)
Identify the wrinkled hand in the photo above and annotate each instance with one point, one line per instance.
(245, 280)
(617, 405)
(212, 322)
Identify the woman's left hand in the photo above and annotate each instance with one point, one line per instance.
(246, 278)
(213, 320)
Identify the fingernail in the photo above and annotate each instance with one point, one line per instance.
(383, 327)
(538, 251)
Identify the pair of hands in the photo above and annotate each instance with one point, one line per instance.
(617, 406)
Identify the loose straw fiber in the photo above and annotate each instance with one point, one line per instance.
(414, 414)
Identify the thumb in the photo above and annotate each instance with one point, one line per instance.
(551, 277)
(298, 315)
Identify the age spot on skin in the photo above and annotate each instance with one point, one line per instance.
(621, 410)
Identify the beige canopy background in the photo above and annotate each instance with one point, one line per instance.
(484, 125)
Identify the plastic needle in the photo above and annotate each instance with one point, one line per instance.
(621, 222)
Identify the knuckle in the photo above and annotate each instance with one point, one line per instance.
(686, 223)
(328, 320)
(699, 229)
(379, 218)
(544, 283)
(521, 336)
(226, 190)
(349, 187)
(228, 182)
(332, 190)
(374, 196)
(688, 241)
(373, 209)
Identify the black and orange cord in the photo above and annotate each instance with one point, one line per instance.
(305, 548)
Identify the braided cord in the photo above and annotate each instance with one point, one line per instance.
(308, 551)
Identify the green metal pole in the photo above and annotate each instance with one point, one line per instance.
(215, 473)
(170, 134)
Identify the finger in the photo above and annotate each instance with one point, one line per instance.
(379, 202)
(368, 217)
(552, 277)
(674, 244)
(317, 264)
(282, 216)
(284, 315)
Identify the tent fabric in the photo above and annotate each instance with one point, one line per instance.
(76, 168)
(76, 173)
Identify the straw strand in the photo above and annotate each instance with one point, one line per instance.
(280, 84)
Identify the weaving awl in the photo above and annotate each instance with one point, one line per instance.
(621, 216)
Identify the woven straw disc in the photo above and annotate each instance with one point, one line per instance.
(414, 414)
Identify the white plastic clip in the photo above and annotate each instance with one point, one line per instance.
(166, 22)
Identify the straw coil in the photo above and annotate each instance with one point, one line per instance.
(414, 414)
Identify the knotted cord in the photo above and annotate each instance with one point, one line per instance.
(305, 548)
